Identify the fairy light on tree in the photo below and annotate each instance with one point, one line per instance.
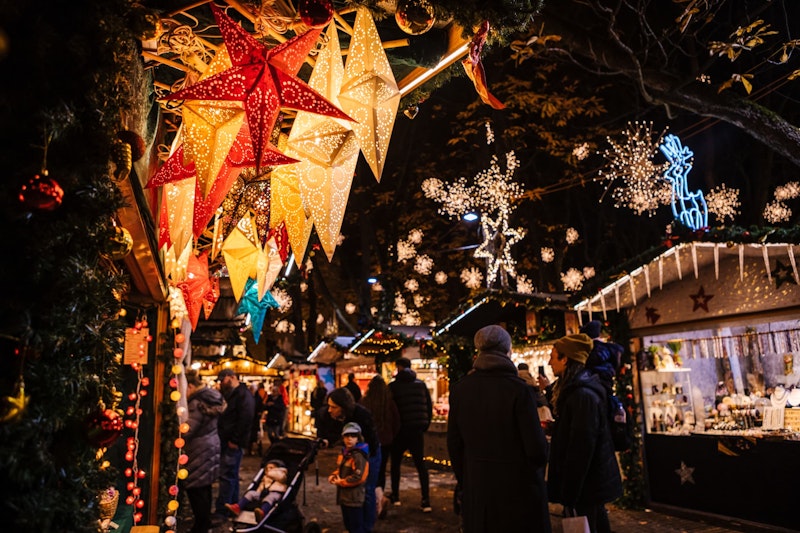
(572, 236)
(492, 193)
(411, 285)
(787, 192)
(638, 181)
(777, 211)
(423, 265)
(440, 277)
(588, 272)
(723, 203)
(547, 254)
(283, 299)
(472, 278)
(524, 285)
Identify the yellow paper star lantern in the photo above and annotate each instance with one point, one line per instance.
(327, 149)
(268, 267)
(210, 128)
(369, 93)
(241, 252)
(179, 197)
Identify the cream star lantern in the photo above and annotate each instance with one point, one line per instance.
(369, 93)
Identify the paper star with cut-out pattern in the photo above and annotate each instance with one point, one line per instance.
(264, 79)
(700, 300)
(782, 274)
(651, 315)
(685, 473)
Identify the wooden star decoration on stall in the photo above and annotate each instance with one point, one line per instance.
(685, 473)
(263, 78)
(700, 300)
(651, 315)
(782, 274)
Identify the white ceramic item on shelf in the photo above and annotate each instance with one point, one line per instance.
(794, 397)
(779, 397)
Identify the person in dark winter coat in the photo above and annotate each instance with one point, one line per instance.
(234, 427)
(416, 411)
(340, 410)
(583, 473)
(496, 445)
(205, 405)
(604, 359)
(353, 387)
(276, 412)
(378, 399)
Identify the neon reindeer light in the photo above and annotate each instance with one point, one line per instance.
(693, 209)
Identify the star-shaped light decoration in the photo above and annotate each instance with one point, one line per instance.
(685, 473)
(241, 252)
(651, 314)
(369, 92)
(256, 307)
(700, 300)
(327, 149)
(196, 286)
(492, 193)
(264, 79)
(782, 274)
(287, 208)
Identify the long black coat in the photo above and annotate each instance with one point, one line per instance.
(583, 468)
(202, 440)
(498, 450)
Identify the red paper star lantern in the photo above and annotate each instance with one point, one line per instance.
(264, 79)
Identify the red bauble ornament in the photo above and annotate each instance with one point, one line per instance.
(42, 193)
(103, 427)
(315, 13)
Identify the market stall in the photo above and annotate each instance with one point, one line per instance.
(716, 334)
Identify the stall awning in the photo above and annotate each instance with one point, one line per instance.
(693, 261)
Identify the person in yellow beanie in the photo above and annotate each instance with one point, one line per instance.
(583, 473)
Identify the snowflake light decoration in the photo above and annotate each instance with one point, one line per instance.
(440, 277)
(424, 264)
(415, 236)
(723, 202)
(588, 272)
(405, 251)
(489, 133)
(377, 287)
(524, 285)
(547, 254)
(350, 308)
(420, 300)
(410, 318)
(492, 193)
(283, 299)
(572, 279)
(572, 236)
(640, 185)
(581, 151)
(400, 304)
(282, 326)
(411, 285)
(776, 212)
(787, 192)
(472, 278)
(320, 318)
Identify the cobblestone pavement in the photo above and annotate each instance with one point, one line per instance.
(317, 502)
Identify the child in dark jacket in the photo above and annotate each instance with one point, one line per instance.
(269, 492)
(349, 477)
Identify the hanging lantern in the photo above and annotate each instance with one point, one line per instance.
(315, 13)
(414, 17)
(42, 193)
(121, 244)
(103, 427)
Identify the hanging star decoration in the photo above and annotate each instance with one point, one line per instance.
(196, 286)
(327, 149)
(700, 300)
(264, 79)
(782, 274)
(492, 193)
(369, 92)
(651, 314)
(685, 473)
(256, 307)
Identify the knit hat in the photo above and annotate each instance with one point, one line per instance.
(493, 339)
(351, 428)
(592, 328)
(576, 347)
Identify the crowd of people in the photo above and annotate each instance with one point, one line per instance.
(516, 442)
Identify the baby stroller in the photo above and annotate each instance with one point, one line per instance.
(285, 516)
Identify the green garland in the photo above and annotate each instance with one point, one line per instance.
(62, 294)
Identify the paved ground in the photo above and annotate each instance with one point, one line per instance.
(317, 503)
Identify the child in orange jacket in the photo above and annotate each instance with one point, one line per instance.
(352, 468)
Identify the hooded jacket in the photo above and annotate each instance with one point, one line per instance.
(583, 468)
(497, 449)
(413, 401)
(202, 441)
(236, 421)
(352, 466)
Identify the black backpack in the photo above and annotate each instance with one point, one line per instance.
(618, 423)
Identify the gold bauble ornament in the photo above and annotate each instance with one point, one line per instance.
(121, 244)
